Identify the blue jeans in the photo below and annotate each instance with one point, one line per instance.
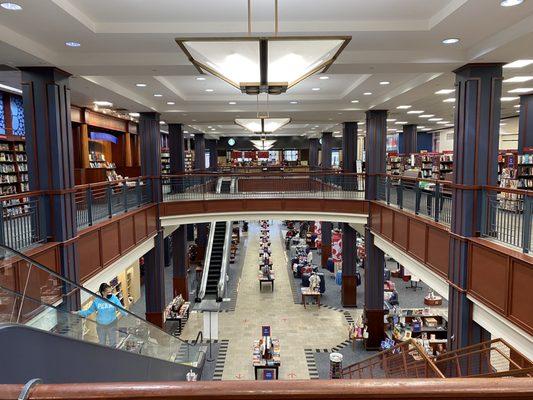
(107, 334)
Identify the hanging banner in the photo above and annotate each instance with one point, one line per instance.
(336, 246)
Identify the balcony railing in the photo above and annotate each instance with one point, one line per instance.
(100, 201)
(316, 185)
(425, 197)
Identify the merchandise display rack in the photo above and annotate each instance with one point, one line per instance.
(165, 161)
(97, 160)
(524, 169)
(189, 160)
(14, 178)
(507, 178)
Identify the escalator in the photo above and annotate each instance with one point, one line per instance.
(215, 262)
(213, 284)
(39, 328)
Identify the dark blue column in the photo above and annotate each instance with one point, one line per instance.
(213, 156)
(409, 142)
(374, 269)
(376, 140)
(155, 258)
(180, 262)
(525, 129)
(477, 116)
(313, 153)
(327, 143)
(176, 145)
(199, 151)
(325, 247)
(349, 263)
(46, 96)
(349, 146)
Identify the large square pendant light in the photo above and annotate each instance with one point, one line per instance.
(262, 124)
(263, 144)
(266, 64)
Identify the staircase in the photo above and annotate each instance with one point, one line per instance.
(215, 263)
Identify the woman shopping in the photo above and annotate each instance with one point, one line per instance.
(106, 315)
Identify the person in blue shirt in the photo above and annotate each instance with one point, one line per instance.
(106, 315)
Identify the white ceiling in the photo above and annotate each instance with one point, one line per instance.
(124, 42)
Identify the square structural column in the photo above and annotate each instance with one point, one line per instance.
(325, 246)
(49, 146)
(376, 139)
(525, 126)
(313, 154)
(327, 144)
(477, 117)
(408, 144)
(349, 146)
(180, 262)
(213, 155)
(349, 266)
(149, 130)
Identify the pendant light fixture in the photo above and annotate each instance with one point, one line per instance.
(262, 124)
(263, 64)
(263, 144)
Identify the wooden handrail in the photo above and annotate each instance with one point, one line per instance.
(362, 389)
(262, 174)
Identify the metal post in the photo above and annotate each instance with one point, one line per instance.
(109, 205)
(526, 224)
(125, 196)
(388, 183)
(418, 197)
(399, 196)
(437, 202)
(485, 206)
(89, 201)
(2, 230)
(138, 191)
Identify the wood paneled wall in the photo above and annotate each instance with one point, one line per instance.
(499, 277)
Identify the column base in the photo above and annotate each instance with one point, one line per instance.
(349, 291)
(180, 285)
(375, 329)
(200, 253)
(325, 254)
(155, 318)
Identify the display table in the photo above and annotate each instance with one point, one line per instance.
(175, 318)
(306, 292)
(265, 279)
(263, 366)
(434, 301)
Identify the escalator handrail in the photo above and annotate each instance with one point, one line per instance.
(81, 289)
(205, 273)
(225, 260)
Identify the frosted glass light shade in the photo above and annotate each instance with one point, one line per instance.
(262, 125)
(263, 64)
(263, 144)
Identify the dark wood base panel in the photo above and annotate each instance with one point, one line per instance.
(223, 206)
(349, 291)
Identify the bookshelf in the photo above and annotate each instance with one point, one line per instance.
(189, 160)
(165, 161)
(524, 171)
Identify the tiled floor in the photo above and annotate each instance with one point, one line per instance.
(297, 328)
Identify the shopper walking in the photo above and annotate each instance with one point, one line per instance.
(106, 315)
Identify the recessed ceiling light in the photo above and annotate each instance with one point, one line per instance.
(517, 106)
(518, 64)
(213, 129)
(415, 112)
(518, 79)
(72, 44)
(293, 102)
(384, 83)
(509, 98)
(316, 126)
(200, 78)
(450, 41)
(510, 3)
(11, 6)
(400, 123)
(403, 107)
(134, 114)
(449, 100)
(426, 116)
(367, 93)
(232, 103)
(443, 122)
(185, 131)
(445, 91)
(103, 103)
(435, 119)
(354, 101)
(315, 89)
(209, 90)
(162, 122)
(426, 129)
(323, 77)
(140, 84)
(158, 95)
(391, 119)
(171, 103)
(521, 90)
(421, 126)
